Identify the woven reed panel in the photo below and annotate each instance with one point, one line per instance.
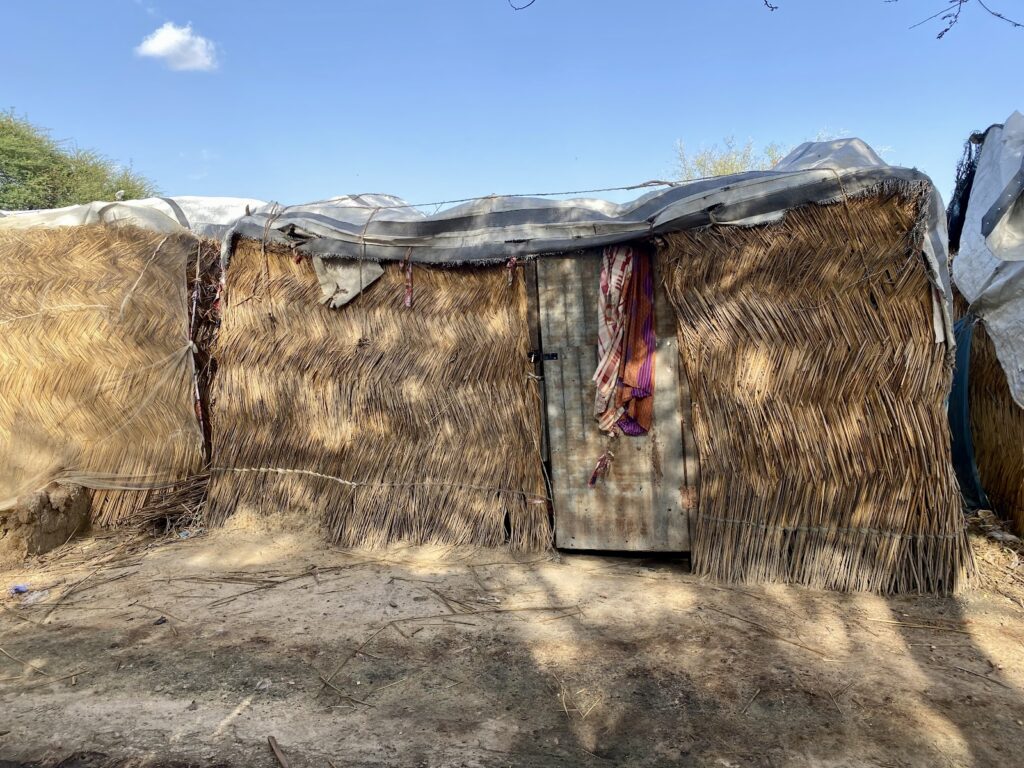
(997, 428)
(96, 372)
(819, 401)
(379, 422)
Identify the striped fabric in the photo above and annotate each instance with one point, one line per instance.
(623, 401)
(616, 270)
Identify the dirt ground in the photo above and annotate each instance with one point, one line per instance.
(193, 652)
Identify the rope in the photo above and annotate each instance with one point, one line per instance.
(439, 203)
(824, 529)
(368, 484)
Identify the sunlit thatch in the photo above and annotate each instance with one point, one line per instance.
(378, 421)
(819, 401)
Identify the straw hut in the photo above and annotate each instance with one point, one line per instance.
(395, 376)
(104, 359)
(987, 403)
(751, 370)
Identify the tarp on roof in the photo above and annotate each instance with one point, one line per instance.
(989, 269)
(373, 228)
(203, 216)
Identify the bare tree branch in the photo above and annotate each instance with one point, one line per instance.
(1001, 17)
(949, 15)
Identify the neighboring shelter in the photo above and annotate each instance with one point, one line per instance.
(987, 236)
(106, 313)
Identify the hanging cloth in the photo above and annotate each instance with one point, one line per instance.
(634, 393)
(624, 398)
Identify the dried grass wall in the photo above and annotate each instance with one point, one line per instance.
(819, 401)
(379, 422)
(96, 374)
(997, 429)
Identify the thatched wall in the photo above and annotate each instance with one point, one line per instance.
(997, 428)
(380, 422)
(96, 375)
(818, 401)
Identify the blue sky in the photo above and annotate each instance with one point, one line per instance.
(441, 99)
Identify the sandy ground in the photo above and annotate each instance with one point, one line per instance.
(195, 652)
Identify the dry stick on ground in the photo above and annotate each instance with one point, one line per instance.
(162, 612)
(110, 558)
(751, 701)
(67, 593)
(21, 661)
(838, 708)
(76, 673)
(281, 759)
(986, 678)
(768, 631)
(395, 622)
(919, 626)
(270, 583)
(417, 673)
(344, 695)
(16, 615)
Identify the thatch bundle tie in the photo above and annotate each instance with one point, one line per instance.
(829, 529)
(406, 270)
(131, 291)
(532, 498)
(275, 214)
(54, 310)
(178, 355)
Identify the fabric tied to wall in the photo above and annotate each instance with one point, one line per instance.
(342, 280)
(624, 398)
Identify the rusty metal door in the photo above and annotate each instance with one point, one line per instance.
(644, 502)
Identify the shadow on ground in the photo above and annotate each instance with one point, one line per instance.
(198, 652)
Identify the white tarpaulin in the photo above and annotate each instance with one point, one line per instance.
(989, 269)
(203, 216)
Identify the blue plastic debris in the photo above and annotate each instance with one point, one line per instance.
(19, 589)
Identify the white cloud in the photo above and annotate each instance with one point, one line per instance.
(180, 48)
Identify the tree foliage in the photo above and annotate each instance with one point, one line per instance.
(37, 171)
(722, 160)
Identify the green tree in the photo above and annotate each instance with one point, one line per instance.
(37, 171)
(729, 158)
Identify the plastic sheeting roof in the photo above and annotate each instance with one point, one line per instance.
(369, 228)
(204, 216)
(989, 268)
(494, 229)
(373, 228)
